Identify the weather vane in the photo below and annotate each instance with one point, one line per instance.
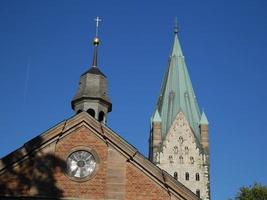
(97, 19)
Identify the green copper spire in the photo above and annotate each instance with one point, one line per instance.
(156, 117)
(204, 119)
(177, 93)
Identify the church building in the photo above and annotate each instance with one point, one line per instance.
(83, 158)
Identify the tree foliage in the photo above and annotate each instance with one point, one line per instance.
(255, 192)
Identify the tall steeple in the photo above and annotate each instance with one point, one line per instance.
(92, 95)
(178, 140)
(177, 93)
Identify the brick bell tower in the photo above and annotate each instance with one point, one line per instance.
(92, 94)
(178, 141)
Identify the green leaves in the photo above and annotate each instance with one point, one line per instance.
(255, 192)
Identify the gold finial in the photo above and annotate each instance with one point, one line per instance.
(96, 41)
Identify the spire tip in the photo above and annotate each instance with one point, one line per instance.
(175, 25)
(96, 41)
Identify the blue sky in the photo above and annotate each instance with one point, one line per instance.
(46, 46)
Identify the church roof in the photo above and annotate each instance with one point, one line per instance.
(83, 119)
(94, 70)
(177, 93)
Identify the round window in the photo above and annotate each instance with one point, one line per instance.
(80, 164)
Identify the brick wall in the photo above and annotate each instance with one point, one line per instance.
(43, 174)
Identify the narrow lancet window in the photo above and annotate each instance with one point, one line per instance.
(101, 116)
(198, 193)
(197, 176)
(187, 176)
(175, 175)
(181, 159)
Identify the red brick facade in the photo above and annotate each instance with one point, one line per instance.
(41, 173)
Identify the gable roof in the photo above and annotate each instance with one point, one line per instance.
(110, 137)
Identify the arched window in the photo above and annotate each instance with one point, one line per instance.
(187, 176)
(181, 139)
(171, 159)
(197, 176)
(192, 160)
(101, 116)
(175, 176)
(91, 112)
(175, 149)
(181, 159)
(186, 149)
(198, 193)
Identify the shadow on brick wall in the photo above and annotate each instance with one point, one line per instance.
(30, 173)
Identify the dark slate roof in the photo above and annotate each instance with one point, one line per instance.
(94, 70)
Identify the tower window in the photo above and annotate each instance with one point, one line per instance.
(171, 159)
(175, 149)
(175, 176)
(91, 112)
(181, 159)
(187, 176)
(101, 116)
(192, 160)
(186, 149)
(181, 140)
(197, 176)
(198, 193)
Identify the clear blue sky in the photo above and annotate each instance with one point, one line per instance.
(46, 45)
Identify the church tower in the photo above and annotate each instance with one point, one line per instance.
(92, 94)
(179, 131)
